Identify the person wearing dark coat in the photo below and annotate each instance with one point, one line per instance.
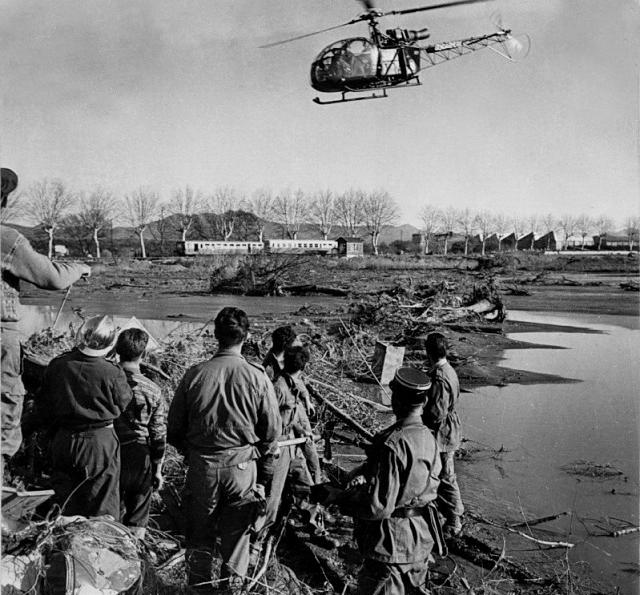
(84, 393)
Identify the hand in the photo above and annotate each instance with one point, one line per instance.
(158, 479)
(311, 410)
(86, 271)
(358, 480)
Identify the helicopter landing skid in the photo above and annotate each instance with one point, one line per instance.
(413, 83)
(346, 99)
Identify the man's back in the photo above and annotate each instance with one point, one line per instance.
(224, 407)
(84, 389)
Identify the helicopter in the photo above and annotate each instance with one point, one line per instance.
(394, 58)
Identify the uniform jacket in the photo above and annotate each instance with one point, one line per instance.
(21, 262)
(440, 414)
(145, 418)
(79, 389)
(402, 470)
(225, 408)
(274, 371)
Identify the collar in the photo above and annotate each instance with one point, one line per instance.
(414, 418)
(228, 351)
(130, 367)
(440, 363)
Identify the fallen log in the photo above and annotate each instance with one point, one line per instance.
(352, 423)
(308, 288)
(376, 406)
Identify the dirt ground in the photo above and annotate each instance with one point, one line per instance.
(489, 556)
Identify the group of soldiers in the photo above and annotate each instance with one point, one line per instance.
(246, 435)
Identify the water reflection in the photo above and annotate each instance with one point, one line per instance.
(545, 427)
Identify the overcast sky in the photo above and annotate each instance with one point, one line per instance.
(125, 93)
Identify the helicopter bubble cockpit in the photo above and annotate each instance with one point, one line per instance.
(349, 60)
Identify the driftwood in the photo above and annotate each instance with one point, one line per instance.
(376, 406)
(352, 423)
(544, 519)
(624, 531)
(304, 289)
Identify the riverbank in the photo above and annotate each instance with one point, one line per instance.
(489, 557)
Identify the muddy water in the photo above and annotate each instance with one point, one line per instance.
(546, 427)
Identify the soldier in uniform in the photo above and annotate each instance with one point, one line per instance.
(396, 523)
(20, 262)
(225, 416)
(441, 417)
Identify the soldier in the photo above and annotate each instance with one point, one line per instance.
(396, 523)
(21, 262)
(225, 415)
(85, 393)
(441, 417)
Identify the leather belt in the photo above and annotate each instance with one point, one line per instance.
(409, 512)
(86, 427)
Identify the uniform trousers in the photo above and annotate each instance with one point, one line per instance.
(381, 578)
(220, 506)
(12, 389)
(449, 498)
(86, 471)
(136, 484)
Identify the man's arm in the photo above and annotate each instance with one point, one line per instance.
(121, 389)
(177, 419)
(29, 265)
(384, 487)
(157, 428)
(435, 412)
(268, 429)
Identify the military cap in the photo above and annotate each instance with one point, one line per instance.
(410, 384)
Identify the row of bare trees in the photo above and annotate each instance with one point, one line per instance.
(484, 224)
(53, 206)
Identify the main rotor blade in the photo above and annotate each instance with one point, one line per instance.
(432, 7)
(351, 22)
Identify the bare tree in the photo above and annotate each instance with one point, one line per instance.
(47, 203)
(567, 224)
(262, 206)
(502, 225)
(517, 225)
(632, 230)
(348, 208)
(323, 212)
(96, 212)
(466, 220)
(379, 210)
(141, 209)
(448, 221)
(603, 225)
(292, 210)
(584, 225)
(183, 207)
(225, 203)
(484, 221)
(429, 215)
(533, 225)
(549, 224)
(161, 227)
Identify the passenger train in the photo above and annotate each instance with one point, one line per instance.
(204, 247)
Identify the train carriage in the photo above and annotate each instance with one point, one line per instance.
(301, 246)
(204, 247)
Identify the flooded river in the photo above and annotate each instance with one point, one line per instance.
(544, 429)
